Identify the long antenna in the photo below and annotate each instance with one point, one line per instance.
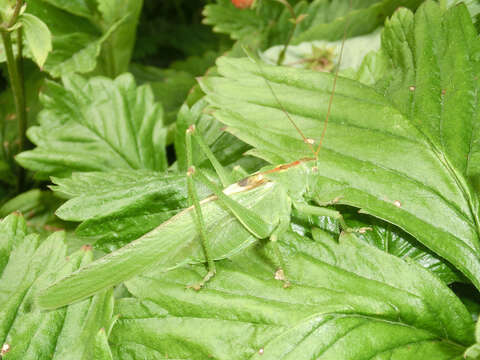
(329, 110)
(307, 140)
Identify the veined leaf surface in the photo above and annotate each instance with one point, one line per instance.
(382, 235)
(26, 266)
(347, 300)
(116, 207)
(97, 124)
(402, 154)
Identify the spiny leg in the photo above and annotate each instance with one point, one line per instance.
(225, 178)
(280, 272)
(198, 218)
(321, 211)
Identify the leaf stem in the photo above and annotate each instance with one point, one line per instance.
(15, 75)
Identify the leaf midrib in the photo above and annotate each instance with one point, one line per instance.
(433, 150)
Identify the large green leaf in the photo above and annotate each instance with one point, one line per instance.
(76, 7)
(382, 235)
(76, 44)
(116, 207)
(97, 124)
(347, 301)
(27, 265)
(169, 86)
(37, 36)
(87, 36)
(402, 154)
(119, 46)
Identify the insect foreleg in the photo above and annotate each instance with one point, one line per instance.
(252, 221)
(225, 178)
(198, 218)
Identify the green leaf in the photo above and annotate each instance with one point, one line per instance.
(382, 235)
(400, 153)
(444, 114)
(473, 352)
(76, 38)
(75, 53)
(37, 36)
(473, 7)
(169, 86)
(97, 125)
(175, 243)
(117, 50)
(227, 19)
(328, 19)
(347, 300)
(116, 207)
(396, 242)
(28, 265)
(76, 7)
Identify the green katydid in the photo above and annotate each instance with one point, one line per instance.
(256, 207)
(415, 186)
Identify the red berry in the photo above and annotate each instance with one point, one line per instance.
(242, 4)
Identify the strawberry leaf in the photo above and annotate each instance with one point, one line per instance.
(97, 124)
(27, 265)
(116, 207)
(340, 306)
(403, 154)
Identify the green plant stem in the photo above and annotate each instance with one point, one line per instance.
(14, 75)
